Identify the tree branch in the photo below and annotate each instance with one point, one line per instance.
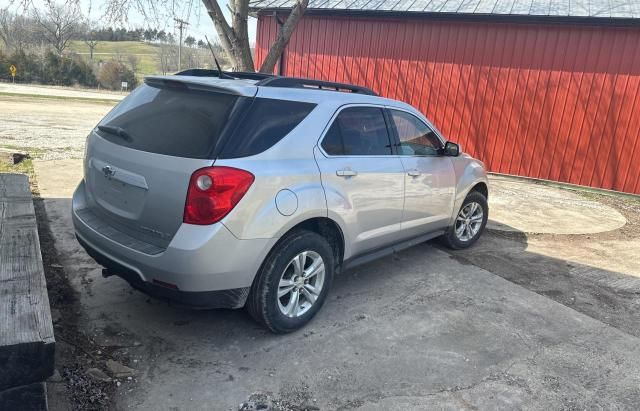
(284, 35)
(241, 31)
(225, 33)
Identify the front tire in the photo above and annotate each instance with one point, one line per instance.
(469, 224)
(293, 282)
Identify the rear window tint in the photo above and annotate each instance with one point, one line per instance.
(266, 122)
(175, 122)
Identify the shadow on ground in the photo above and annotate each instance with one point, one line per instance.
(608, 296)
(425, 328)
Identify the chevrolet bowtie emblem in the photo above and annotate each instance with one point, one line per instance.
(108, 171)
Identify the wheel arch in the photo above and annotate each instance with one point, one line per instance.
(474, 179)
(323, 226)
(328, 229)
(482, 188)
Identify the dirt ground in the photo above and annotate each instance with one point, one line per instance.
(49, 128)
(424, 329)
(597, 274)
(526, 319)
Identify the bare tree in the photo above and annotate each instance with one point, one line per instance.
(6, 28)
(91, 42)
(133, 62)
(167, 58)
(17, 32)
(118, 55)
(59, 22)
(234, 36)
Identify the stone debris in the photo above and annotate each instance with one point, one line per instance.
(118, 370)
(98, 374)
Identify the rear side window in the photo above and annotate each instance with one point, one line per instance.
(172, 121)
(358, 131)
(266, 122)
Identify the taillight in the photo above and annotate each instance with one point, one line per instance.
(213, 192)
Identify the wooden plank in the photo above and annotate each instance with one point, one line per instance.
(14, 185)
(26, 331)
(32, 397)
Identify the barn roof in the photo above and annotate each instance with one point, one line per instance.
(611, 10)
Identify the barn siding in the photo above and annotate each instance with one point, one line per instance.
(550, 101)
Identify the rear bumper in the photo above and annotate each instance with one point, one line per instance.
(203, 266)
(234, 298)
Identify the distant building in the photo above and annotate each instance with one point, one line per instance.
(541, 88)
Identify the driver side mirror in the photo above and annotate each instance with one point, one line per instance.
(451, 149)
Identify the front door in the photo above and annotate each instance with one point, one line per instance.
(429, 177)
(362, 178)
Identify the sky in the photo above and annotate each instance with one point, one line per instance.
(192, 11)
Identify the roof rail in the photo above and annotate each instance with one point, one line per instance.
(215, 73)
(294, 82)
(271, 80)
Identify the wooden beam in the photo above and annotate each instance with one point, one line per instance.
(27, 343)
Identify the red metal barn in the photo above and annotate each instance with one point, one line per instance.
(541, 88)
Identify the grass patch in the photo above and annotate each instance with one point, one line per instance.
(33, 152)
(115, 47)
(148, 54)
(148, 59)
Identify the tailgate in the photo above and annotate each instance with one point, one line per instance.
(140, 158)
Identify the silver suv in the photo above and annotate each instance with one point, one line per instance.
(224, 190)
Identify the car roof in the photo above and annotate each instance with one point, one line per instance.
(250, 88)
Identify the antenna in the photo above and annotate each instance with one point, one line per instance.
(221, 74)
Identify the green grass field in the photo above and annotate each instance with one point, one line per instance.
(147, 53)
(115, 47)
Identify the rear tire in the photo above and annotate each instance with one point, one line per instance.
(468, 225)
(293, 282)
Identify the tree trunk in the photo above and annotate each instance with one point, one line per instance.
(225, 33)
(242, 49)
(284, 35)
(235, 38)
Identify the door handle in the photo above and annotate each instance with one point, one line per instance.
(346, 172)
(414, 173)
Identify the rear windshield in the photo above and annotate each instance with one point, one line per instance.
(175, 122)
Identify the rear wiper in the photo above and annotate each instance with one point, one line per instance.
(116, 131)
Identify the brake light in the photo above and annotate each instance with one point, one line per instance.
(214, 192)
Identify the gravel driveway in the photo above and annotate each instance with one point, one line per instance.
(49, 128)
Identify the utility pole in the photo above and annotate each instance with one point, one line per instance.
(181, 23)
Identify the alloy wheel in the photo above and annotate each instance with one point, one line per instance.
(301, 283)
(469, 221)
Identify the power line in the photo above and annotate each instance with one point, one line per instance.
(181, 24)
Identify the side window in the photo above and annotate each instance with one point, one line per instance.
(416, 138)
(358, 131)
(267, 122)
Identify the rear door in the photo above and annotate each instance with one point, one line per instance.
(140, 158)
(429, 177)
(362, 177)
